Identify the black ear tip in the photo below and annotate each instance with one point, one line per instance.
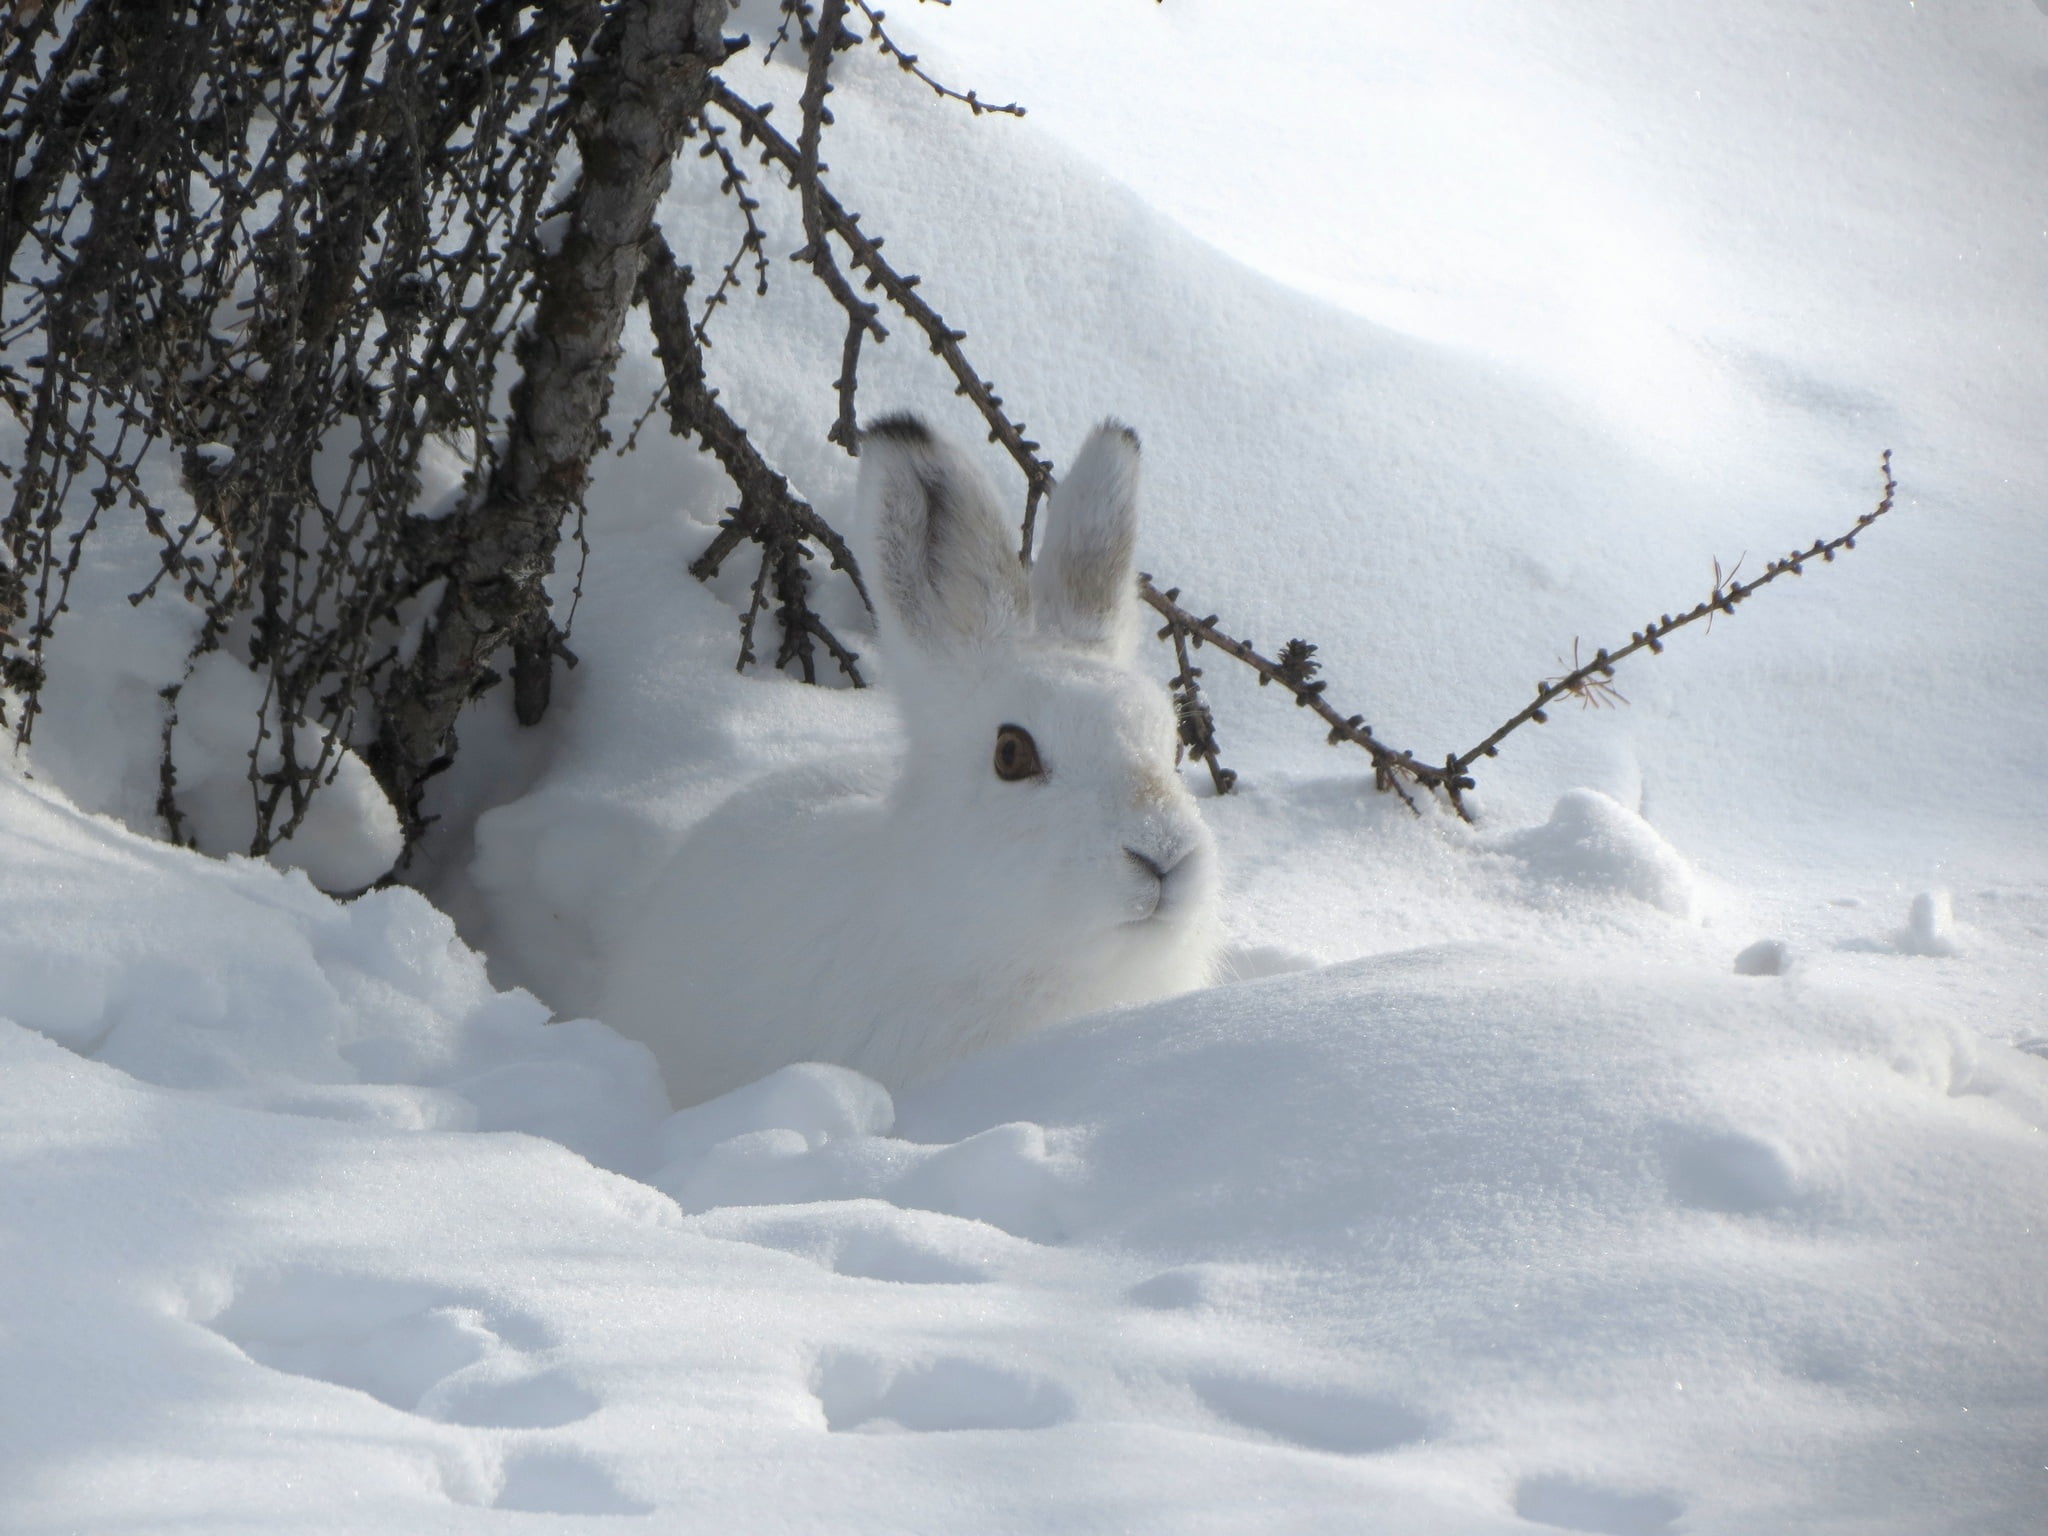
(900, 428)
(1122, 429)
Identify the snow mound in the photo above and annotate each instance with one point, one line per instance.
(1930, 926)
(1557, 1174)
(1766, 957)
(814, 1132)
(1451, 1238)
(241, 982)
(1594, 843)
(349, 836)
(812, 1100)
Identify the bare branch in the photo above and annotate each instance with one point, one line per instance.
(1197, 724)
(902, 292)
(907, 62)
(769, 512)
(1727, 592)
(752, 240)
(829, 38)
(648, 77)
(1391, 769)
(1591, 682)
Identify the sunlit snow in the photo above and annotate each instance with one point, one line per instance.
(1659, 1155)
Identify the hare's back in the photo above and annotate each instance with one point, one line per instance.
(721, 969)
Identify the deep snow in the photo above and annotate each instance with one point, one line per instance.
(1419, 1242)
(1499, 1194)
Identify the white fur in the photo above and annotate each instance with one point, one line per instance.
(895, 916)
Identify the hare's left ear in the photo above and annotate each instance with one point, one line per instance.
(1082, 586)
(948, 574)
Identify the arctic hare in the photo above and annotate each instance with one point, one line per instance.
(1031, 856)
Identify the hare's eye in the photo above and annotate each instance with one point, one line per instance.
(1017, 754)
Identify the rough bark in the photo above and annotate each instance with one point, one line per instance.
(646, 77)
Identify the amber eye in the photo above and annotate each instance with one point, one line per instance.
(1017, 754)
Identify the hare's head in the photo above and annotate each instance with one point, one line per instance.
(1040, 792)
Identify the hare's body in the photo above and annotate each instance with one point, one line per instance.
(1031, 856)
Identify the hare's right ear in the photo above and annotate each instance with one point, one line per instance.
(942, 548)
(1082, 586)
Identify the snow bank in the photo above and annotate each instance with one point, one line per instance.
(1451, 1240)
(113, 668)
(233, 980)
(1565, 1198)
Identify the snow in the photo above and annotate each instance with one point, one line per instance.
(1595, 843)
(1662, 1153)
(1445, 1236)
(1766, 957)
(1930, 925)
(349, 835)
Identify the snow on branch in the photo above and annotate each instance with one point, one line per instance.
(280, 247)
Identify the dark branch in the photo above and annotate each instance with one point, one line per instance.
(907, 62)
(1586, 682)
(901, 290)
(769, 512)
(752, 240)
(830, 37)
(1390, 768)
(648, 77)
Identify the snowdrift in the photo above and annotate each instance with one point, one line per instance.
(1661, 1154)
(1453, 1239)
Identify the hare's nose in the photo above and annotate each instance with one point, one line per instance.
(1156, 868)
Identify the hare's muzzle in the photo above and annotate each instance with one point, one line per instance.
(1163, 872)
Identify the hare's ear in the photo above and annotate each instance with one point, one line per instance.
(948, 573)
(1082, 586)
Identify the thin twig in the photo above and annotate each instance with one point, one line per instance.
(907, 62)
(1390, 768)
(734, 185)
(829, 38)
(1589, 682)
(1197, 723)
(901, 289)
(1723, 599)
(769, 512)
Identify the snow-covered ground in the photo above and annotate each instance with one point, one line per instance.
(1497, 1195)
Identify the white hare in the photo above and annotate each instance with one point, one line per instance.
(1032, 855)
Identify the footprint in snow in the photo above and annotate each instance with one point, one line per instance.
(1575, 1506)
(1728, 1171)
(1316, 1418)
(535, 1480)
(871, 1396)
(439, 1355)
(561, 1482)
(412, 1347)
(1193, 1286)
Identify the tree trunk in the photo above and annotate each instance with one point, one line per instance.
(646, 77)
